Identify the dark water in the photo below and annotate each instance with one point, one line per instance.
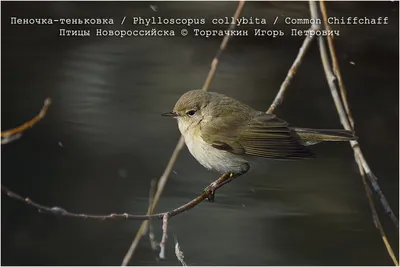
(103, 139)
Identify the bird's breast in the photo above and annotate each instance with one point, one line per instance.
(211, 157)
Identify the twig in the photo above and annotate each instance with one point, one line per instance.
(349, 123)
(375, 216)
(160, 187)
(13, 134)
(11, 138)
(346, 124)
(164, 177)
(164, 236)
(335, 65)
(153, 242)
(178, 252)
(292, 71)
(206, 194)
(222, 47)
(148, 226)
(345, 119)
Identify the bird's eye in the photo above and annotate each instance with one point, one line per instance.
(191, 112)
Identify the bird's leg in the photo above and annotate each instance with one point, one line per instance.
(210, 190)
(230, 179)
(224, 179)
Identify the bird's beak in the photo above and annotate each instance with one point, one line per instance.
(169, 114)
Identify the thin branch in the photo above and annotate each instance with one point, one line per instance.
(153, 242)
(15, 133)
(335, 65)
(164, 177)
(148, 225)
(164, 236)
(346, 124)
(222, 47)
(178, 252)
(355, 145)
(11, 138)
(206, 194)
(345, 119)
(292, 71)
(375, 216)
(160, 187)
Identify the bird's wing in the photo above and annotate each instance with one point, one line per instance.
(264, 135)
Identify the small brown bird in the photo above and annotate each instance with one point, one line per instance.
(220, 132)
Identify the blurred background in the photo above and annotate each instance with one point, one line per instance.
(104, 140)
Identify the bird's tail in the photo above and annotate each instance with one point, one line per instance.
(314, 136)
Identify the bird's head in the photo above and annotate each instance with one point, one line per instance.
(190, 109)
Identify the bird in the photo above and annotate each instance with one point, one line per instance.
(222, 133)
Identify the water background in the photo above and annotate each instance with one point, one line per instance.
(103, 139)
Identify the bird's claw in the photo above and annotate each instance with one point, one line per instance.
(210, 193)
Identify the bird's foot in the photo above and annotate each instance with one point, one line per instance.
(210, 192)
